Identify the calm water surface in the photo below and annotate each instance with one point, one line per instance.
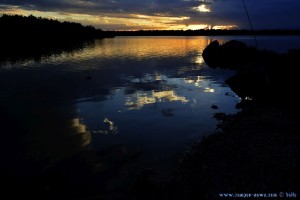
(137, 101)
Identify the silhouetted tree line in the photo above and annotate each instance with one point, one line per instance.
(24, 37)
(24, 28)
(204, 32)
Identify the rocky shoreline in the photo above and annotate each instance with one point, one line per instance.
(254, 151)
(258, 149)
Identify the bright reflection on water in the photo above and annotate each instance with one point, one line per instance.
(151, 96)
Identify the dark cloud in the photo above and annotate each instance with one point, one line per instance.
(263, 13)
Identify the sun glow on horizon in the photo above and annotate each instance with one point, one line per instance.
(197, 26)
(122, 21)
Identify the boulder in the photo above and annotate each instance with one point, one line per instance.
(211, 54)
(232, 54)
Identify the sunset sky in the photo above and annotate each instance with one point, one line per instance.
(163, 14)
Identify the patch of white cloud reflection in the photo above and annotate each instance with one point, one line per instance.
(158, 77)
(141, 99)
(80, 128)
(209, 90)
(110, 128)
(194, 80)
(110, 123)
(248, 98)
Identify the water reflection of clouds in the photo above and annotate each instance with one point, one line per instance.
(108, 127)
(194, 80)
(80, 128)
(114, 104)
(209, 90)
(138, 100)
(201, 82)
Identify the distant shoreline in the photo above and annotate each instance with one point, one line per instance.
(205, 33)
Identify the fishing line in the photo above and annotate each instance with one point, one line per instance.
(252, 30)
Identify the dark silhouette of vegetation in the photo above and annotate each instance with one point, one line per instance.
(31, 27)
(33, 37)
(204, 32)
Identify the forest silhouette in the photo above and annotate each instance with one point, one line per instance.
(30, 27)
(24, 37)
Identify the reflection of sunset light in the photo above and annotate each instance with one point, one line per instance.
(199, 60)
(151, 47)
(141, 48)
(153, 97)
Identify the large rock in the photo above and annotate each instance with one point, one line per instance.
(232, 54)
(211, 54)
(250, 84)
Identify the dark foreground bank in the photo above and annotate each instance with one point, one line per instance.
(255, 151)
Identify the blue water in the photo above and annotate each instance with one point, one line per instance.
(143, 98)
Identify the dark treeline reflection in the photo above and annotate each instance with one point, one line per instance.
(13, 53)
(31, 37)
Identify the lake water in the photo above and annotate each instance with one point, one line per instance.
(138, 102)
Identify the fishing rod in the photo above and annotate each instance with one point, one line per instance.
(252, 30)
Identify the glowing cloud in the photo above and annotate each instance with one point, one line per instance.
(225, 27)
(202, 8)
(197, 26)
